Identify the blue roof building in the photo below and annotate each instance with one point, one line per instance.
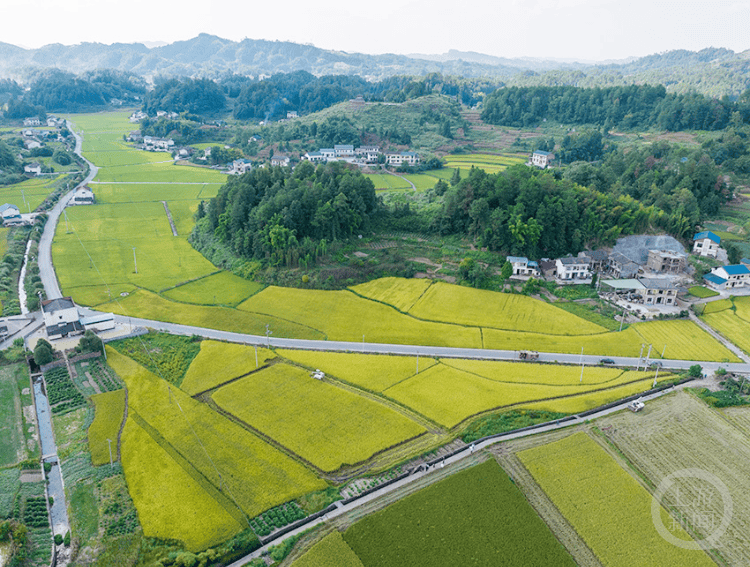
(706, 243)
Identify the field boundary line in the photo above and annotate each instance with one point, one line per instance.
(458, 427)
(340, 474)
(186, 282)
(620, 457)
(232, 509)
(122, 425)
(558, 524)
(210, 391)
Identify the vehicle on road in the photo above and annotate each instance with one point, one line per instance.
(528, 355)
(636, 406)
(606, 361)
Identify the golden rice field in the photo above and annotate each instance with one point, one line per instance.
(218, 363)
(171, 504)
(448, 395)
(716, 306)
(733, 327)
(490, 163)
(374, 372)
(325, 425)
(488, 309)
(223, 288)
(341, 315)
(401, 293)
(331, 551)
(109, 410)
(608, 508)
(255, 475)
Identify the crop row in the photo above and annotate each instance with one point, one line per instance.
(123, 525)
(276, 518)
(9, 485)
(35, 512)
(62, 393)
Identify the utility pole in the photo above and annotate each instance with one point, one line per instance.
(109, 441)
(663, 351)
(256, 357)
(581, 380)
(622, 319)
(65, 214)
(640, 357)
(268, 335)
(655, 377)
(135, 263)
(648, 356)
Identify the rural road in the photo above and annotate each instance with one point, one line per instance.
(466, 452)
(46, 268)
(411, 350)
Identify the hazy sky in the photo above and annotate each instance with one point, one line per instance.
(579, 29)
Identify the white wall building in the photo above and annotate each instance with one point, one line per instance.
(706, 243)
(573, 269)
(542, 159)
(409, 158)
(61, 317)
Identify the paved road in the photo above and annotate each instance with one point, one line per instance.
(411, 350)
(468, 451)
(46, 269)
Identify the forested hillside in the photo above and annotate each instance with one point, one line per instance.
(632, 107)
(284, 218)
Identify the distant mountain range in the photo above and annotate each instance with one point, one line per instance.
(712, 71)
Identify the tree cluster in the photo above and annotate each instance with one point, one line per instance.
(528, 212)
(198, 96)
(626, 107)
(287, 218)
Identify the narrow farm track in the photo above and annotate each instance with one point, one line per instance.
(169, 216)
(539, 500)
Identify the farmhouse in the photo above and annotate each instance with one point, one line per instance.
(598, 259)
(83, 196)
(153, 144)
(240, 166)
(706, 243)
(61, 318)
(573, 270)
(523, 267)
(281, 161)
(343, 150)
(548, 268)
(33, 168)
(292, 114)
(408, 158)
(658, 291)
(542, 159)
(314, 157)
(31, 144)
(135, 136)
(138, 116)
(666, 261)
(623, 267)
(727, 277)
(33, 121)
(328, 153)
(9, 213)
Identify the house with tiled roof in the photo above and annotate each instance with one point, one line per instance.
(706, 243)
(728, 277)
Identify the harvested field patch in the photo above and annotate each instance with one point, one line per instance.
(607, 507)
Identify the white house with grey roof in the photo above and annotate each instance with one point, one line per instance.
(522, 266)
(573, 270)
(61, 317)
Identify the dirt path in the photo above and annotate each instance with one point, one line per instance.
(169, 216)
(402, 177)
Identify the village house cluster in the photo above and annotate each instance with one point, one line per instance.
(654, 282)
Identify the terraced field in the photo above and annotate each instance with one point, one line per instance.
(254, 476)
(327, 426)
(218, 363)
(607, 507)
(448, 395)
(734, 324)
